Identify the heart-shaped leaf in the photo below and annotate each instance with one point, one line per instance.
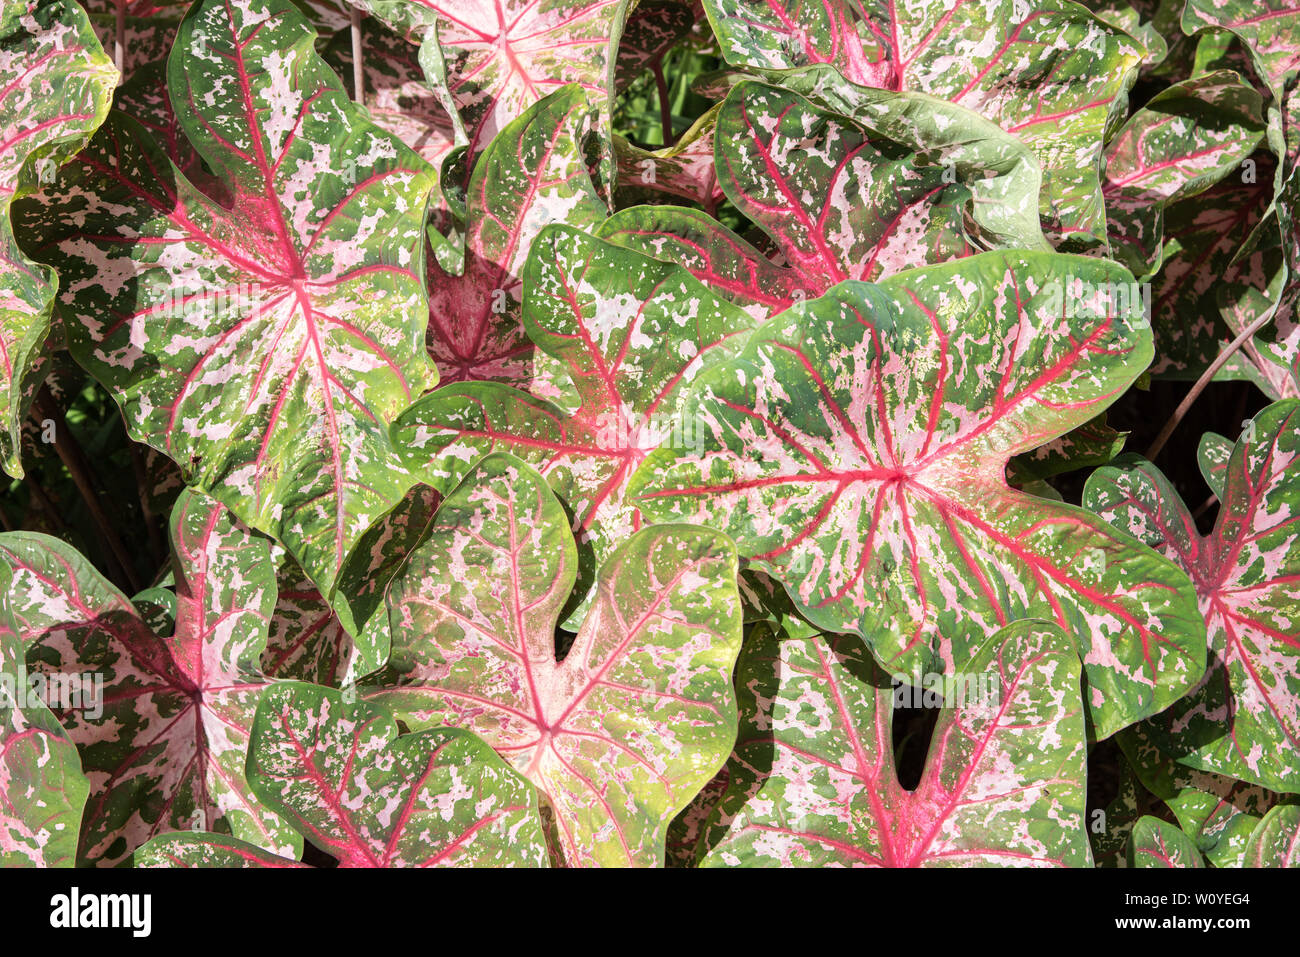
(839, 199)
(620, 337)
(813, 782)
(1186, 138)
(263, 336)
(1157, 843)
(1047, 71)
(1243, 718)
(856, 452)
(639, 715)
(42, 789)
(162, 723)
(56, 85)
(533, 174)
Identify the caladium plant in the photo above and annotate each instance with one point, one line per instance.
(863, 433)
(649, 433)
(1243, 717)
(623, 732)
(55, 87)
(167, 717)
(348, 783)
(812, 780)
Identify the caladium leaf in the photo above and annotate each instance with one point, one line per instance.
(1219, 812)
(1186, 138)
(685, 170)
(813, 782)
(1157, 843)
(533, 174)
(653, 28)
(1142, 21)
(1110, 840)
(264, 341)
(502, 56)
(1268, 28)
(42, 789)
(340, 773)
(623, 733)
(839, 199)
(396, 93)
(856, 452)
(1091, 444)
(56, 85)
(1213, 453)
(1243, 718)
(1276, 841)
(620, 337)
(1212, 273)
(1049, 72)
(202, 849)
(162, 724)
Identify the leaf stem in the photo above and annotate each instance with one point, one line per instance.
(1204, 380)
(74, 458)
(665, 104)
(358, 61)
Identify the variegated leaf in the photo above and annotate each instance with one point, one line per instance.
(1157, 843)
(262, 336)
(42, 789)
(502, 56)
(533, 174)
(1218, 812)
(362, 794)
(856, 452)
(813, 783)
(1047, 71)
(56, 85)
(1268, 28)
(685, 170)
(653, 27)
(622, 733)
(162, 724)
(620, 337)
(1276, 841)
(203, 849)
(840, 199)
(1185, 139)
(1213, 454)
(1215, 279)
(1243, 718)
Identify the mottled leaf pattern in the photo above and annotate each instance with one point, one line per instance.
(622, 733)
(838, 199)
(163, 740)
(1243, 717)
(42, 789)
(813, 783)
(262, 336)
(620, 338)
(1182, 141)
(533, 174)
(1157, 843)
(55, 89)
(356, 790)
(1276, 841)
(504, 55)
(856, 452)
(1048, 72)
